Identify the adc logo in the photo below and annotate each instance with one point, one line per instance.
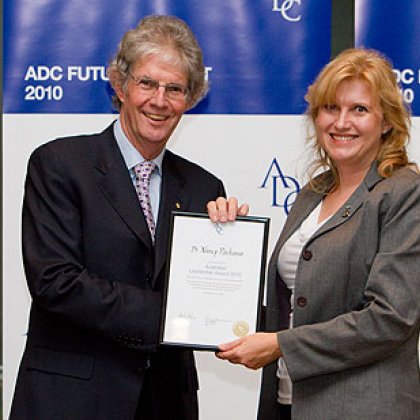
(287, 9)
(284, 188)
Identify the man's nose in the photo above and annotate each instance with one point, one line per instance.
(159, 96)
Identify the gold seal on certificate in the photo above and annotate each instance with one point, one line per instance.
(240, 328)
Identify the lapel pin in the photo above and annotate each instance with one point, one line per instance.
(178, 205)
(346, 211)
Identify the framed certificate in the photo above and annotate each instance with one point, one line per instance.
(214, 280)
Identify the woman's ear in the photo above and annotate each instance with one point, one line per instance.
(386, 128)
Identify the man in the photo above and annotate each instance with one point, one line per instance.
(95, 239)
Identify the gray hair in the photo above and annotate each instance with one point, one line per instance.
(161, 35)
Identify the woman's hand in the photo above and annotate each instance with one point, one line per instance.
(253, 351)
(225, 210)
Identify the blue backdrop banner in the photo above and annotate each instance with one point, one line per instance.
(393, 28)
(260, 55)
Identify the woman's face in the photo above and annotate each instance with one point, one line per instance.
(350, 129)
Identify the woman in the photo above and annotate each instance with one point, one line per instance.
(343, 298)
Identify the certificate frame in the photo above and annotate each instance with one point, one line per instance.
(215, 279)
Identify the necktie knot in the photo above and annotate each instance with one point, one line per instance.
(144, 170)
(142, 173)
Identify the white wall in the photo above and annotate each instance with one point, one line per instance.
(238, 149)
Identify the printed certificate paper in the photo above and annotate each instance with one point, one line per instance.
(215, 280)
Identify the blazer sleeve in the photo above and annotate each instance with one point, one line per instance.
(391, 313)
(55, 266)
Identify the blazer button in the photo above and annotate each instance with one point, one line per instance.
(307, 255)
(302, 301)
(143, 365)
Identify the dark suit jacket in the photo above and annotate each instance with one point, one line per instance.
(96, 282)
(353, 351)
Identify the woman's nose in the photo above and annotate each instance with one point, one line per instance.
(343, 120)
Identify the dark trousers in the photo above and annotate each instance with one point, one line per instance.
(285, 412)
(146, 409)
(152, 405)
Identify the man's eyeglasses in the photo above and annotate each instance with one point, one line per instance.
(150, 86)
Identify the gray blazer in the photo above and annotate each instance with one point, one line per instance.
(353, 351)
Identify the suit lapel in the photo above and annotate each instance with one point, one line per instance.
(345, 212)
(114, 181)
(174, 196)
(354, 202)
(309, 199)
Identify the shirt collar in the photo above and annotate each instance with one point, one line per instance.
(130, 154)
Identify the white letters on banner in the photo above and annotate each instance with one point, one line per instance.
(284, 8)
(407, 77)
(44, 73)
(40, 92)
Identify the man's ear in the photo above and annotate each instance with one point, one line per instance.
(116, 82)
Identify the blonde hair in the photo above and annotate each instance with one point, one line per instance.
(373, 68)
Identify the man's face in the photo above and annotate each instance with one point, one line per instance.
(148, 118)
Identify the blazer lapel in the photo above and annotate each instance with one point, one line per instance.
(309, 199)
(174, 197)
(354, 202)
(114, 181)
